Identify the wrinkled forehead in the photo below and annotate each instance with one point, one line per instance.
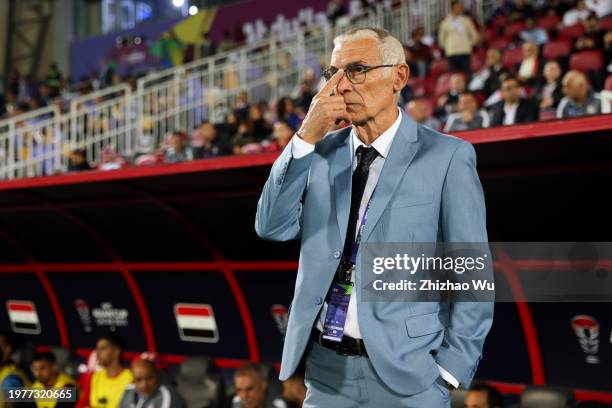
(359, 50)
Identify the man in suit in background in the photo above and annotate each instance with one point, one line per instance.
(512, 108)
(384, 179)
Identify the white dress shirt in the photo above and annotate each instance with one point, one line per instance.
(382, 144)
(510, 113)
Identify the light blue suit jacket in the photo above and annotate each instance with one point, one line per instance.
(428, 191)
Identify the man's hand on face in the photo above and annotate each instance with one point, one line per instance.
(326, 109)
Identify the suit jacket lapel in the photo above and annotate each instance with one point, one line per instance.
(403, 148)
(341, 175)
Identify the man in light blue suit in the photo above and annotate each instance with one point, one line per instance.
(384, 179)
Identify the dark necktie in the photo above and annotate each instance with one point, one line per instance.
(365, 156)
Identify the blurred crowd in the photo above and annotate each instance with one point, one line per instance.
(528, 61)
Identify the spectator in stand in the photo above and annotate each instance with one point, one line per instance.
(226, 43)
(77, 161)
(457, 36)
(534, 33)
(530, 70)
(258, 127)
(513, 109)
(242, 105)
(208, 47)
(468, 117)
(252, 389)
(10, 374)
(48, 376)
(576, 15)
(488, 79)
(448, 103)
(421, 53)
(111, 160)
(282, 134)
(419, 111)
(602, 8)
(521, 11)
(549, 91)
(106, 386)
(294, 390)
(579, 100)
(593, 37)
(147, 390)
(483, 396)
(335, 9)
(206, 142)
(178, 151)
(502, 8)
(285, 112)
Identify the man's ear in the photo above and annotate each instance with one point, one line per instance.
(401, 78)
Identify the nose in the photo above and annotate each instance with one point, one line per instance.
(343, 84)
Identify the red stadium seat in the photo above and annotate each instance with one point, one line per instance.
(438, 67)
(443, 84)
(605, 24)
(500, 44)
(549, 22)
(513, 57)
(418, 86)
(513, 29)
(557, 49)
(608, 85)
(586, 61)
(571, 32)
(499, 21)
(477, 60)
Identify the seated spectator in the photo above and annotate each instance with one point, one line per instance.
(502, 8)
(549, 91)
(111, 160)
(593, 37)
(206, 142)
(48, 376)
(105, 387)
(601, 7)
(530, 69)
(282, 134)
(487, 79)
(512, 108)
(77, 161)
(294, 390)
(579, 100)
(252, 389)
(521, 11)
(178, 150)
(419, 112)
(285, 112)
(242, 105)
(468, 117)
(457, 36)
(448, 103)
(10, 374)
(533, 33)
(421, 52)
(147, 389)
(258, 127)
(482, 395)
(576, 15)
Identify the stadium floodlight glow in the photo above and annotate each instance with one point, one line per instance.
(193, 10)
(178, 3)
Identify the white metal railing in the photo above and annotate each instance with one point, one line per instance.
(180, 98)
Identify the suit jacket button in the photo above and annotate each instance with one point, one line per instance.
(337, 254)
(318, 300)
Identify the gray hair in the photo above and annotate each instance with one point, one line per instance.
(390, 49)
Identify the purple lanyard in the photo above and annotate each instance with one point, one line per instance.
(355, 248)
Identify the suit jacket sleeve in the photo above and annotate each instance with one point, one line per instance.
(279, 208)
(463, 219)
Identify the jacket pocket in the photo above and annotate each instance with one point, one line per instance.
(419, 199)
(424, 324)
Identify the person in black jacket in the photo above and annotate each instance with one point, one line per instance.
(549, 91)
(512, 108)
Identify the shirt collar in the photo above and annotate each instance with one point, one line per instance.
(382, 144)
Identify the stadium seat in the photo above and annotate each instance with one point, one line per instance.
(443, 84)
(608, 84)
(605, 24)
(513, 30)
(513, 57)
(547, 397)
(586, 61)
(458, 398)
(477, 60)
(557, 49)
(571, 32)
(200, 384)
(549, 22)
(438, 67)
(500, 44)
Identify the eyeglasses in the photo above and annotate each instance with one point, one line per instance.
(355, 73)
